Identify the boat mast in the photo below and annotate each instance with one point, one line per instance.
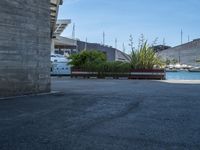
(115, 43)
(179, 52)
(104, 38)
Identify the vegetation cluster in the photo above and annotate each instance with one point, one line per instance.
(94, 61)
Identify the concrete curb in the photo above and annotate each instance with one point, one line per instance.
(55, 93)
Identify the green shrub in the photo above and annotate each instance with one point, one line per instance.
(95, 61)
(87, 57)
(107, 67)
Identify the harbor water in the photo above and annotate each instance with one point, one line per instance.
(183, 75)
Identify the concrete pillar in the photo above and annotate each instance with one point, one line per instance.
(24, 47)
(52, 46)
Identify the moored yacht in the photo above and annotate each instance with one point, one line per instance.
(59, 65)
(195, 69)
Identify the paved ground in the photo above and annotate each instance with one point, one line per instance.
(104, 115)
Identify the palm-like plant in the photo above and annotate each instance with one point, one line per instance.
(145, 58)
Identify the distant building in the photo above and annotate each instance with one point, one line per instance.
(159, 48)
(112, 54)
(188, 53)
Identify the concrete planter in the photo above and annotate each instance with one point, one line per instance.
(89, 74)
(148, 74)
(82, 73)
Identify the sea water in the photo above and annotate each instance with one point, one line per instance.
(183, 75)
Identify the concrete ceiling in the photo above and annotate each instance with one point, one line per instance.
(54, 7)
(61, 25)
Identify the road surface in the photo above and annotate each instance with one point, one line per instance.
(104, 115)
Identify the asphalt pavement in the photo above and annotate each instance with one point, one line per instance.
(108, 114)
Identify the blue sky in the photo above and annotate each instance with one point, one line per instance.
(120, 18)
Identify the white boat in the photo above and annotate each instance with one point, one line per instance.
(59, 65)
(178, 66)
(171, 70)
(195, 69)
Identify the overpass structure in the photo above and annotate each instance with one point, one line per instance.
(61, 25)
(60, 43)
(54, 8)
(26, 29)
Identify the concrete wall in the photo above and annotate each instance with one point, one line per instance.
(24, 47)
(188, 52)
